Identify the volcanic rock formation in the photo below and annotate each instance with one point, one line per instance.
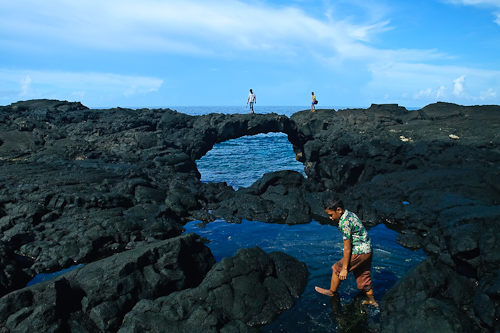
(112, 189)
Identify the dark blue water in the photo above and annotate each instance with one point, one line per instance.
(241, 162)
(319, 246)
(47, 276)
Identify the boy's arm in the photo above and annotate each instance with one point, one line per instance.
(346, 259)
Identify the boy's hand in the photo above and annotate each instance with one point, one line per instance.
(343, 274)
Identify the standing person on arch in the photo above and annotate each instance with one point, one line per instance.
(252, 99)
(357, 254)
(313, 102)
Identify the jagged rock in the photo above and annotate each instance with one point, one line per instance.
(276, 197)
(97, 296)
(242, 292)
(430, 298)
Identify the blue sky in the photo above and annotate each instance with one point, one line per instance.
(161, 53)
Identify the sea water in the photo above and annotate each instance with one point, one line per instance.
(239, 163)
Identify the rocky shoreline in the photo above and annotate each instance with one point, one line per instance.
(112, 189)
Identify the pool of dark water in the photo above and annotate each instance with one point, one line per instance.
(319, 246)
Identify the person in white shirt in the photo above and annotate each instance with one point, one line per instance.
(252, 99)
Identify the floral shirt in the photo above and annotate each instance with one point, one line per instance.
(351, 228)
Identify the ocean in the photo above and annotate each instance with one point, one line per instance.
(242, 161)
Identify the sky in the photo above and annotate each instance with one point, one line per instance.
(163, 53)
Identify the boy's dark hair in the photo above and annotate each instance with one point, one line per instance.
(334, 203)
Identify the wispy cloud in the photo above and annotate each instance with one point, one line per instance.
(342, 38)
(490, 94)
(25, 85)
(67, 85)
(189, 27)
(459, 86)
(429, 83)
(488, 4)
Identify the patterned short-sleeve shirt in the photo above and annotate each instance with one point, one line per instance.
(351, 228)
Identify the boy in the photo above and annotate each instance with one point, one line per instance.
(358, 253)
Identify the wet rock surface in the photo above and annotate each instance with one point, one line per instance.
(82, 186)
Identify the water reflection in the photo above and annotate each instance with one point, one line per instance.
(350, 317)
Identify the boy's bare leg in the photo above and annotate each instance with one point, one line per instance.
(371, 299)
(334, 285)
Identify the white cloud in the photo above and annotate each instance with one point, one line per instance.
(495, 4)
(253, 32)
(131, 91)
(459, 86)
(78, 95)
(430, 83)
(430, 93)
(67, 85)
(228, 28)
(441, 92)
(426, 93)
(490, 94)
(25, 85)
(218, 27)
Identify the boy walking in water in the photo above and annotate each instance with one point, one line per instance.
(358, 252)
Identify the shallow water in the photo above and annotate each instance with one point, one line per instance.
(48, 276)
(319, 246)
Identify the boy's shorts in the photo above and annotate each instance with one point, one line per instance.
(360, 265)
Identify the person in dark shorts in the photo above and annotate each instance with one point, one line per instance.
(313, 102)
(358, 254)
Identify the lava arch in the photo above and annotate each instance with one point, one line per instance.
(217, 128)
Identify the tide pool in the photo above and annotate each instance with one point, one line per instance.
(319, 246)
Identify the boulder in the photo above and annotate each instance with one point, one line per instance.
(239, 293)
(97, 296)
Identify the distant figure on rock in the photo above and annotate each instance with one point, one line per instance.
(358, 252)
(252, 99)
(313, 102)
